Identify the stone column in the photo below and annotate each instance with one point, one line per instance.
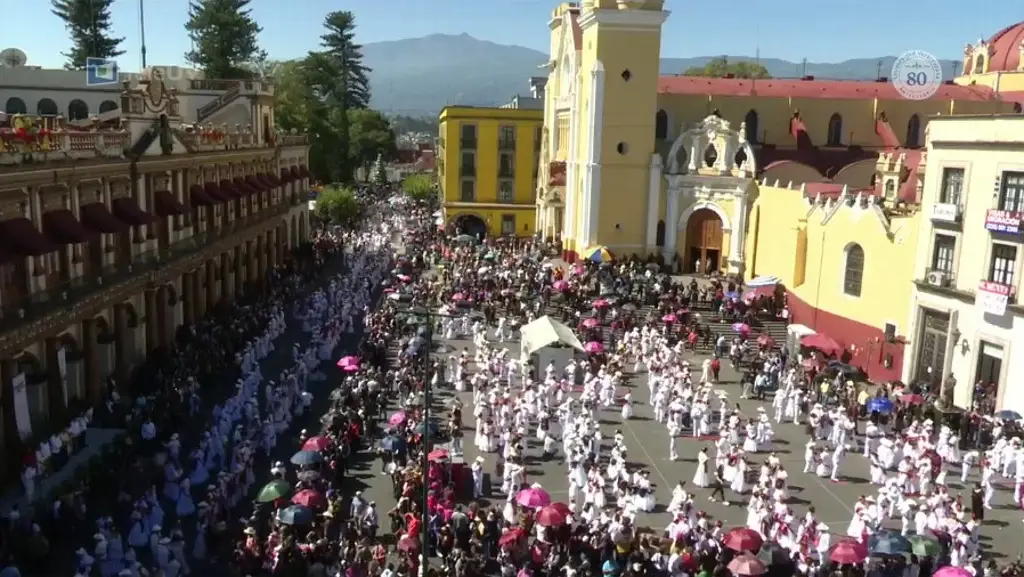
(653, 202)
(120, 335)
(671, 223)
(154, 320)
(90, 362)
(737, 234)
(54, 381)
(189, 297)
(226, 281)
(13, 447)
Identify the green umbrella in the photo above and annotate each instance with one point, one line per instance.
(923, 546)
(273, 491)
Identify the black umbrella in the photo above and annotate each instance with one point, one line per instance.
(772, 553)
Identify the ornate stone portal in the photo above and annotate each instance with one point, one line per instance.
(709, 167)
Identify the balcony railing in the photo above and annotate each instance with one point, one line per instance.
(40, 145)
(227, 85)
(63, 296)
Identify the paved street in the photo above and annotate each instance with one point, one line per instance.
(647, 444)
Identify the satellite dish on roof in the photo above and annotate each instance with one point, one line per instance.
(12, 57)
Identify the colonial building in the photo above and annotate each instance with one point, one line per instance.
(966, 322)
(487, 167)
(111, 239)
(619, 137)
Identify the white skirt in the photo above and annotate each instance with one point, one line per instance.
(700, 478)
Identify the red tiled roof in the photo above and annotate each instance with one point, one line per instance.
(827, 161)
(1004, 48)
(796, 88)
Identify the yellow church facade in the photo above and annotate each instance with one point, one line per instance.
(695, 170)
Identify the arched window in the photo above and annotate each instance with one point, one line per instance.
(47, 107)
(78, 110)
(979, 64)
(15, 105)
(853, 275)
(661, 125)
(750, 126)
(565, 78)
(835, 130)
(107, 106)
(914, 131)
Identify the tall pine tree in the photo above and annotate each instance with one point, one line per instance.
(224, 36)
(88, 22)
(347, 57)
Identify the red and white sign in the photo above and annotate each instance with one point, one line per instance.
(992, 297)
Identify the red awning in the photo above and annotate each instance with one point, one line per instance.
(197, 194)
(98, 218)
(62, 227)
(129, 211)
(286, 175)
(229, 190)
(214, 192)
(255, 183)
(303, 171)
(22, 237)
(274, 180)
(166, 204)
(241, 188)
(295, 173)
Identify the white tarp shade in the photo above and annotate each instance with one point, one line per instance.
(545, 332)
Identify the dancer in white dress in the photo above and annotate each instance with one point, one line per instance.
(700, 478)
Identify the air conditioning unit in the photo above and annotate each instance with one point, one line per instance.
(938, 278)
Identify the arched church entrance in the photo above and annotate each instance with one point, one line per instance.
(703, 242)
(470, 224)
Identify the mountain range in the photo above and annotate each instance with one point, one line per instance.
(419, 76)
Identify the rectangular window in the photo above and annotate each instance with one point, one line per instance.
(467, 192)
(506, 165)
(507, 138)
(942, 255)
(468, 136)
(468, 167)
(506, 192)
(1003, 265)
(1011, 192)
(990, 364)
(508, 224)
(952, 186)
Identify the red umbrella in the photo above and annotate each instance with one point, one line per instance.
(511, 537)
(310, 498)
(409, 544)
(743, 539)
(561, 508)
(823, 343)
(316, 444)
(550, 517)
(437, 455)
(747, 564)
(848, 552)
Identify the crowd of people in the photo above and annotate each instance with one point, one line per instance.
(217, 492)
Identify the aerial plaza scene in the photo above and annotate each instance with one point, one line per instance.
(301, 299)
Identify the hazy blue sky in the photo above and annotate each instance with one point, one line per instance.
(824, 31)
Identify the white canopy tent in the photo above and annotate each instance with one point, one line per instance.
(545, 332)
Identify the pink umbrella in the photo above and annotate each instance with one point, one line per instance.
(397, 419)
(741, 328)
(593, 347)
(822, 343)
(560, 286)
(950, 571)
(350, 368)
(601, 303)
(670, 318)
(404, 278)
(316, 444)
(590, 323)
(458, 297)
(348, 360)
(533, 498)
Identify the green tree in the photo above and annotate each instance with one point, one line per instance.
(327, 120)
(292, 97)
(338, 205)
(353, 85)
(88, 22)
(419, 187)
(224, 36)
(721, 67)
(370, 136)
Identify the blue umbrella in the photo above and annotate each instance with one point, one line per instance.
(303, 458)
(1008, 415)
(889, 543)
(432, 428)
(391, 443)
(295, 515)
(880, 405)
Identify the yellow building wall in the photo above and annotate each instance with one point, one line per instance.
(777, 217)
(486, 206)
(998, 81)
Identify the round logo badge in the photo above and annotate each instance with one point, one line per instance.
(917, 75)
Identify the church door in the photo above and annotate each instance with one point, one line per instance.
(703, 242)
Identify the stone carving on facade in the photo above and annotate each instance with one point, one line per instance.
(712, 147)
